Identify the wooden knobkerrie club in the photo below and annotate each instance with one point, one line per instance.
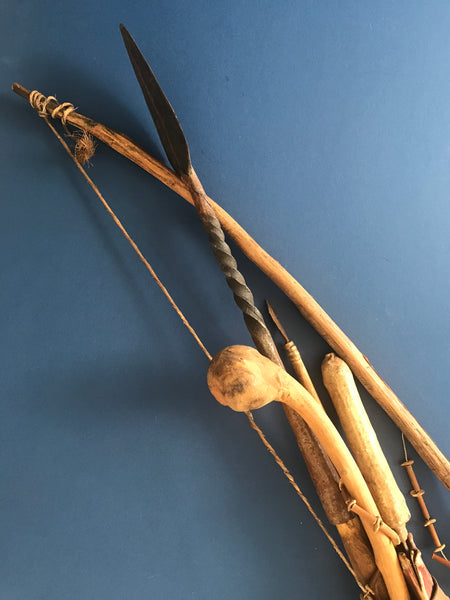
(358, 492)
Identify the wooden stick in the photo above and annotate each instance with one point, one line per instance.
(241, 378)
(351, 532)
(295, 358)
(363, 443)
(441, 559)
(359, 551)
(418, 494)
(309, 308)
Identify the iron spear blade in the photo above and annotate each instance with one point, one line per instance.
(163, 115)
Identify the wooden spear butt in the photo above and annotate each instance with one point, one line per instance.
(243, 379)
(20, 90)
(363, 442)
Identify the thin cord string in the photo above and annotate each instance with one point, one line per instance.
(118, 223)
(368, 592)
(418, 493)
(39, 102)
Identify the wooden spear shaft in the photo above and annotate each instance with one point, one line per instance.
(364, 444)
(306, 304)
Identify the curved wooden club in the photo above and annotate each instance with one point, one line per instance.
(241, 378)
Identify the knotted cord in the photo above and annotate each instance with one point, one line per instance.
(418, 493)
(40, 102)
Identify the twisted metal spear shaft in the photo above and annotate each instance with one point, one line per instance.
(177, 150)
(320, 468)
(241, 292)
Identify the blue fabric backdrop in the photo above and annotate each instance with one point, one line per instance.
(324, 129)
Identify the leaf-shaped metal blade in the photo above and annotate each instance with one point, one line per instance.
(163, 115)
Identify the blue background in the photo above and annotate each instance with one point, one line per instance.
(324, 129)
